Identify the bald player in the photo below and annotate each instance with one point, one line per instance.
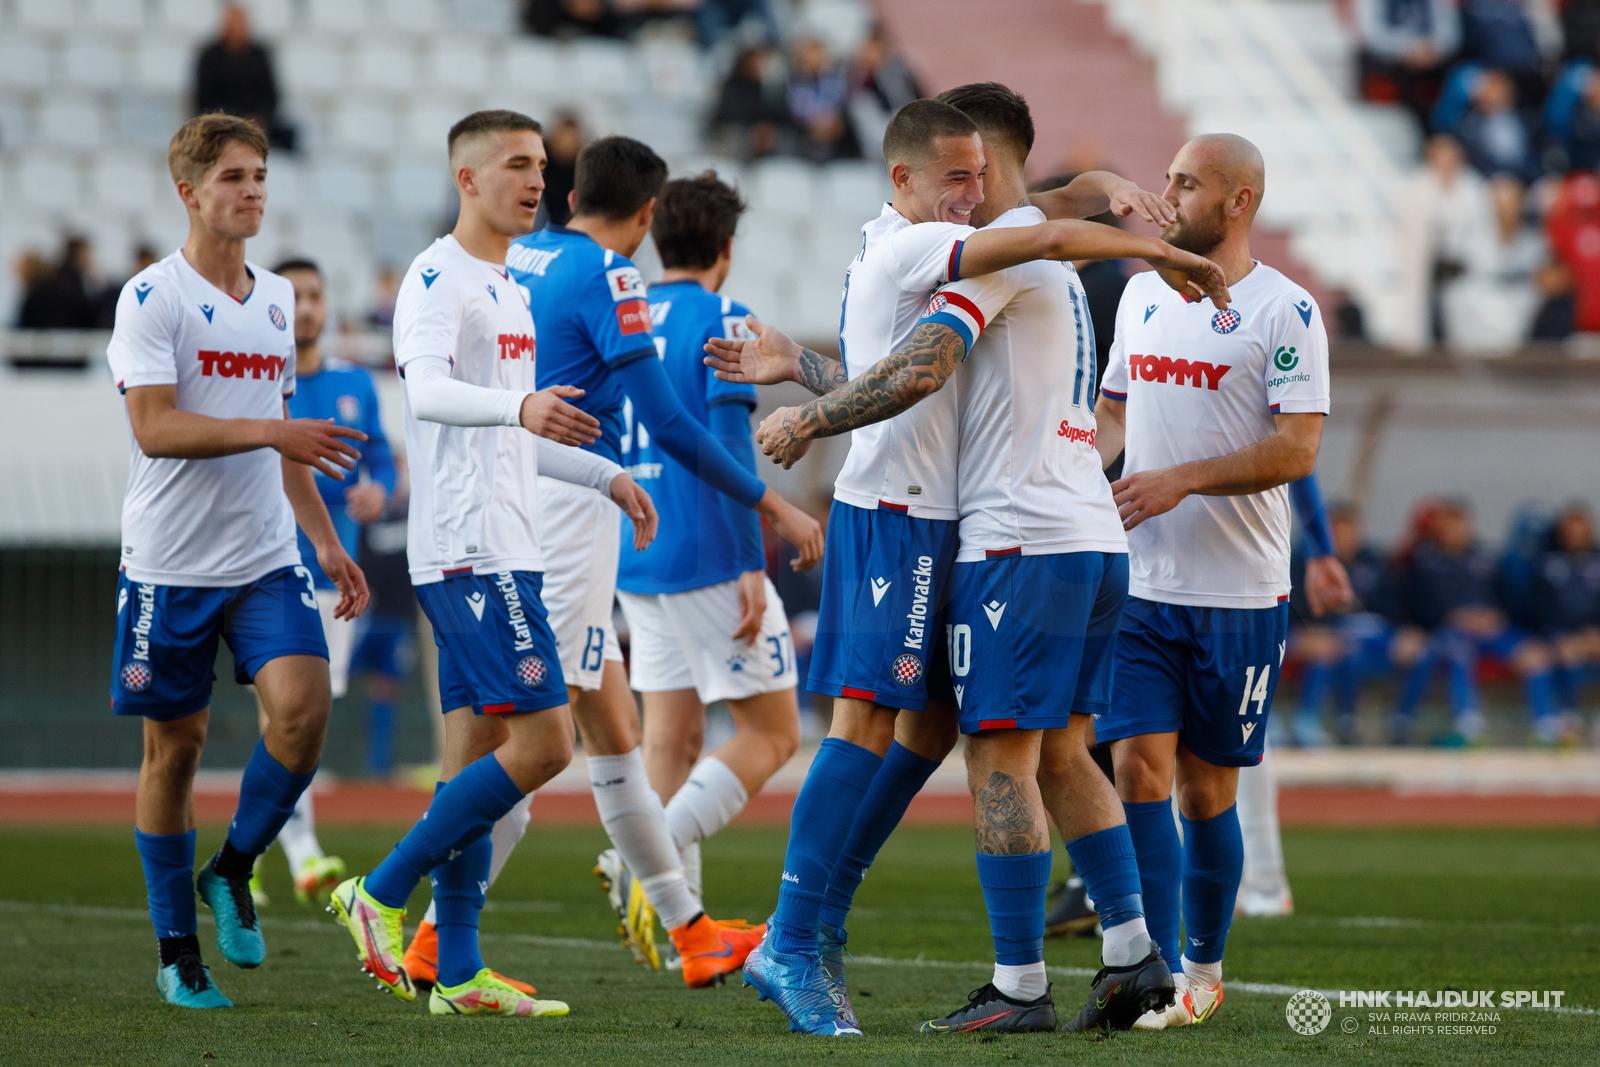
(1220, 411)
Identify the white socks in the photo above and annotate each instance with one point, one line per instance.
(1125, 944)
(711, 798)
(299, 835)
(507, 831)
(1202, 975)
(1258, 821)
(1025, 981)
(637, 825)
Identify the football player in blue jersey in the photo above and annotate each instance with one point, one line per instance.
(342, 393)
(589, 304)
(705, 622)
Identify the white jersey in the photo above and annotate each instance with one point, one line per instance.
(1029, 475)
(1202, 383)
(474, 489)
(908, 461)
(206, 522)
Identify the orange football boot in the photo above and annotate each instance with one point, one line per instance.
(711, 950)
(421, 961)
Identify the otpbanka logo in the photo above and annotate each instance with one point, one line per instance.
(1285, 359)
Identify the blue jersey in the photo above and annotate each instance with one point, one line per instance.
(344, 393)
(705, 537)
(589, 306)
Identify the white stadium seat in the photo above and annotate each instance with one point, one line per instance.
(338, 16)
(364, 122)
(71, 121)
(286, 181)
(311, 65)
(24, 61)
(531, 63)
(850, 188)
(145, 119)
(16, 129)
(604, 68)
(162, 64)
(386, 62)
(44, 14)
(341, 182)
(416, 16)
(783, 186)
(271, 18)
(93, 63)
(418, 186)
(766, 238)
(428, 123)
(190, 19)
(114, 14)
(44, 179)
(460, 63)
(126, 180)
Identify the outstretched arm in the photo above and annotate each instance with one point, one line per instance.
(1095, 191)
(771, 357)
(916, 369)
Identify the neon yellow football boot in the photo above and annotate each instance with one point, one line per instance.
(316, 877)
(487, 994)
(376, 930)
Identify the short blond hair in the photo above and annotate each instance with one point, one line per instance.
(199, 143)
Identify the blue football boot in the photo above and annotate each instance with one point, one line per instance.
(831, 946)
(798, 985)
(238, 929)
(186, 983)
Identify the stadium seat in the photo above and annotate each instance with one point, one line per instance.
(44, 178)
(189, 20)
(415, 16)
(15, 126)
(93, 63)
(364, 122)
(124, 179)
(272, 18)
(145, 119)
(766, 237)
(602, 68)
(418, 186)
(674, 70)
(72, 121)
(24, 61)
(336, 16)
(341, 182)
(428, 123)
(783, 186)
(311, 64)
(459, 63)
(44, 14)
(286, 181)
(162, 64)
(531, 63)
(114, 14)
(852, 189)
(386, 62)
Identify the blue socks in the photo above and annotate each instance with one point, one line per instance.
(1213, 863)
(824, 814)
(1106, 862)
(1013, 891)
(266, 799)
(1541, 690)
(168, 861)
(462, 812)
(380, 738)
(457, 900)
(1160, 856)
(901, 777)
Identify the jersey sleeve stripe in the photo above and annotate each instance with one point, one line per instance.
(967, 306)
(956, 322)
(631, 357)
(1113, 394)
(954, 267)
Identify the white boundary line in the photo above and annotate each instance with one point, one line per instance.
(85, 911)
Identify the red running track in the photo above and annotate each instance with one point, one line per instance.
(370, 805)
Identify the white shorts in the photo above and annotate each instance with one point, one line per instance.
(341, 637)
(681, 641)
(580, 535)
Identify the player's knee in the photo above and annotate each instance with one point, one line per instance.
(174, 752)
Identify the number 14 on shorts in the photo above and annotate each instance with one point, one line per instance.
(1255, 689)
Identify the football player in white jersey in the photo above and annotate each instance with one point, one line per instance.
(1036, 590)
(203, 354)
(1220, 410)
(465, 345)
(885, 584)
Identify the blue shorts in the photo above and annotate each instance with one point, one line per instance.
(385, 646)
(880, 629)
(496, 650)
(1206, 673)
(1032, 639)
(167, 638)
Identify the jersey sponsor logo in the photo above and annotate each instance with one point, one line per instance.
(476, 602)
(136, 677)
(735, 329)
(907, 669)
(1304, 308)
(633, 317)
(1161, 368)
(1285, 359)
(995, 610)
(531, 671)
(141, 291)
(879, 587)
(1075, 435)
(643, 472)
(208, 310)
(275, 313)
(1225, 321)
(521, 632)
(492, 294)
(240, 365)
(625, 283)
(429, 276)
(513, 345)
(533, 261)
(1151, 310)
(144, 623)
(921, 583)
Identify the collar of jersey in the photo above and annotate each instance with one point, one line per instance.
(569, 231)
(1187, 299)
(257, 281)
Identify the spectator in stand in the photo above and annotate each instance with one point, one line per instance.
(571, 18)
(1341, 651)
(719, 18)
(1493, 309)
(1405, 46)
(1566, 598)
(881, 83)
(1498, 137)
(1580, 29)
(1519, 37)
(1573, 228)
(563, 140)
(1446, 587)
(234, 74)
(386, 290)
(1583, 129)
(62, 298)
(32, 270)
(818, 91)
(752, 112)
(1446, 229)
(1554, 319)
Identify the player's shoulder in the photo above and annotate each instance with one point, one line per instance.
(158, 285)
(1144, 285)
(437, 268)
(1277, 291)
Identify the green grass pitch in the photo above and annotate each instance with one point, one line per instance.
(1412, 909)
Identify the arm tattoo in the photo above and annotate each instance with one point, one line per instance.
(1007, 824)
(820, 374)
(915, 370)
